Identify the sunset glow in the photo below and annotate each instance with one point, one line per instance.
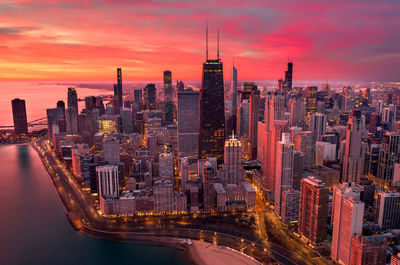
(87, 40)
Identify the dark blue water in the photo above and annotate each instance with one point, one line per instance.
(35, 230)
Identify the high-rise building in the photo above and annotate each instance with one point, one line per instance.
(118, 103)
(53, 116)
(365, 97)
(248, 87)
(346, 94)
(287, 83)
(253, 120)
(72, 98)
(71, 118)
(324, 152)
(353, 161)
(126, 118)
(19, 116)
(274, 126)
(297, 109)
(317, 125)
(389, 155)
(149, 94)
(163, 196)
(137, 97)
(71, 113)
(242, 123)
(303, 142)
(111, 150)
(311, 99)
(313, 210)
(233, 93)
(388, 210)
(347, 219)
(395, 260)
(107, 179)
(212, 110)
(283, 170)
(274, 109)
(290, 206)
(233, 161)
(168, 89)
(368, 250)
(188, 122)
(166, 164)
(298, 168)
(90, 102)
(61, 105)
(208, 174)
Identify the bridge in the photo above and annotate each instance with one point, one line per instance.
(37, 122)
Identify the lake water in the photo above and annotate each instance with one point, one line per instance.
(35, 230)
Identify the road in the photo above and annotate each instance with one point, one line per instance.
(85, 217)
(282, 239)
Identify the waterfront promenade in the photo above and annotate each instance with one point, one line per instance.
(84, 216)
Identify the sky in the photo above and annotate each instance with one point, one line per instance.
(88, 40)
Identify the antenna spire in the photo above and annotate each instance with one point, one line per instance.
(218, 44)
(207, 40)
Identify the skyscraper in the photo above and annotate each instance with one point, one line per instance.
(347, 219)
(168, 90)
(149, 92)
(297, 109)
(368, 250)
(126, 118)
(253, 120)
(137, 97)
(118, 103)
(290, 206)
(395, 260)
(107, 179)
(71, 113)
(111, 150)
(234, 87)
(283, 170)
(242, 119)
(313, 210)
(274, 126)
(353, 162)
(287, 83)
(72, 100)
(212, 110)
(233, 161)
(61, 105)
(389, 154)
(90, 102)
(53, 115)
(19, 116)
(311, 99)
(71, 118)
(163, 196)
(208, 173)
(188, 122)
(317, 125)
(166, 164)
(388, 210)
(365, 97)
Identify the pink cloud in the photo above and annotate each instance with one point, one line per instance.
(149, 36)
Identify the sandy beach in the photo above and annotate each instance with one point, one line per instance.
(203, 253)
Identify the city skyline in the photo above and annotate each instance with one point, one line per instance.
(326, 41)
(230, 169)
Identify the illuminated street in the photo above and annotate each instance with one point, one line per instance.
(85, 217)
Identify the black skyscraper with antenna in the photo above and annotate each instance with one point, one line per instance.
(212, 111)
